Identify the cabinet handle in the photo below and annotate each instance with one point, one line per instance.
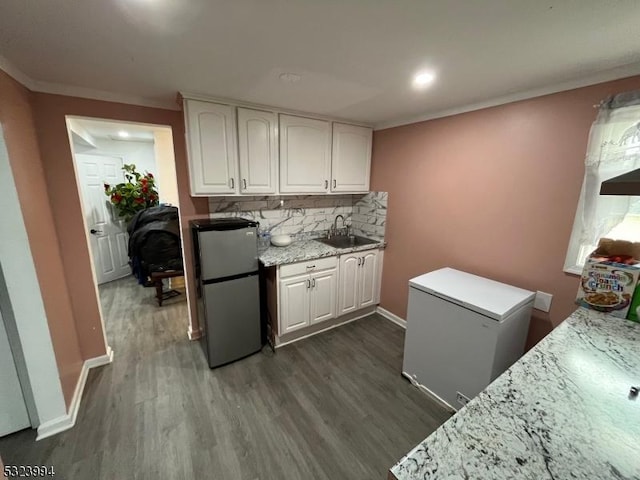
(311, 266)
(233, 183)
(364, 259)
(244, 183)
(308, 283)
(334, 183)
(326, 184)
(313, 283)
(359, 261)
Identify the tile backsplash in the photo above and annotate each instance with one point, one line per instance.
(307, 215)
(369, 215)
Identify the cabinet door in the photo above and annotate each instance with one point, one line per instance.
(294, 303)
(324, 286)
(368, 278)
(257, 151)
(212, 148)
(351, 158)
(305, 155)
(348, 298)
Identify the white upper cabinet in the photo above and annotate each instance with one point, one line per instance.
(257, 151)
(212, 145)
(351, 158)
(305, 155)
(236, 150)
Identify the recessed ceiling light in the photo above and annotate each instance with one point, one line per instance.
(123, 134)
(289, 77)
(423, 79)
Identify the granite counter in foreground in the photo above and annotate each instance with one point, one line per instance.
(302, 250)
(563, 411)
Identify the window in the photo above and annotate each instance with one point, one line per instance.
(613, 149)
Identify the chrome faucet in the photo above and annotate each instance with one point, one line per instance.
(334, 228)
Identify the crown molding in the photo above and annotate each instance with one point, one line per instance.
(92, 94)
(81, 92)
(14, 72)
(628, 70)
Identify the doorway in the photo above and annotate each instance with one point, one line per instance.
(103, 150)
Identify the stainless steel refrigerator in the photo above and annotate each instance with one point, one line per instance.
(228, 291)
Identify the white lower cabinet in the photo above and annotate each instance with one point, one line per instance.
(307, 298)
(294, 303)
(368, 278)
(319, 290)
(324, 287)
(348, 288)
(359, 283)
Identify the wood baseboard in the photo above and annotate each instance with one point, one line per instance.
(65, 422)
(194, 334)
(392, 317)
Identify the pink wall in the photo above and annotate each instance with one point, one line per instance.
(50, 112)
(26, 164)
(492, 192)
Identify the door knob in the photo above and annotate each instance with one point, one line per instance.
(93, 231)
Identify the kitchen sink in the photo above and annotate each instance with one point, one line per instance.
(344, 241)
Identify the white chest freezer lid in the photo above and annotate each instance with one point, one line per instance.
(488, 297)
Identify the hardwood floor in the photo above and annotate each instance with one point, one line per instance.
(333, 406)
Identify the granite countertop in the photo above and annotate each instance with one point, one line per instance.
(562, 411)
(301, 250)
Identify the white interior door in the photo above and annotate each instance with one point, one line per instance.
(108, 235)
(13, 411)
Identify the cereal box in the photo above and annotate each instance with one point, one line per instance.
(609, 278)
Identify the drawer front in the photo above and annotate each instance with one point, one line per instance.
(308, 266)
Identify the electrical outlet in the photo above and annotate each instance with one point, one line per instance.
(462, 399)
(542, 301)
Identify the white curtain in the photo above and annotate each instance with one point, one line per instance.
(613, 149)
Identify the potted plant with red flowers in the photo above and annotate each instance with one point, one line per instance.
(137, 193)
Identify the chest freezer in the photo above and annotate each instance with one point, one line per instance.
(463, 331)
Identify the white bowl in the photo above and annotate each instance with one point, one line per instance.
(280, 240)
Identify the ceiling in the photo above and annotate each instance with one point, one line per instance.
(356, 58)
